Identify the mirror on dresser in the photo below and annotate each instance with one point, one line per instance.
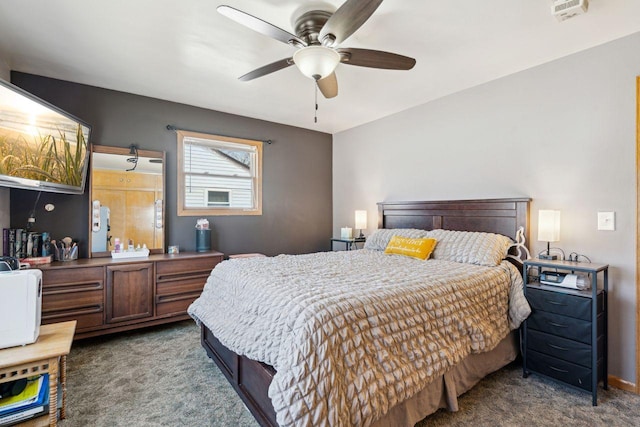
(126, 199)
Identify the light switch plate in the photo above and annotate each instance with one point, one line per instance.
(606, 221)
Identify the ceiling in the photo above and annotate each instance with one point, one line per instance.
(184, 51)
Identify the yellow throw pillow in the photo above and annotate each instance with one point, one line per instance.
(417, 248)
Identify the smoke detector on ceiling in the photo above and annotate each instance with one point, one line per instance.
(565, 9)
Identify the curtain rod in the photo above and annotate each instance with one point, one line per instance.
(175, 129)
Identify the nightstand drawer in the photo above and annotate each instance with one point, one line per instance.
(556, 302)
(562, 326)
(569, 373)
(562, 348)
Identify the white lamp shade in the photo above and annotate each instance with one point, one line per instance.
(548, 225)
(361, 219)
(316, 62)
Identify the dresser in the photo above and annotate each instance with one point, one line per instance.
(565, 337)
(105, 295)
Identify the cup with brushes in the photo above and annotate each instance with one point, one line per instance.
(65, 249)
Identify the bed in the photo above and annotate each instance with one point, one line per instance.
(316, 382)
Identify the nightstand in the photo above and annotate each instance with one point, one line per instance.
(350, 244)
(565, 337)
(48, 355)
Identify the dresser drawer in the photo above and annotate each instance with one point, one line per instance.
(90, 277)
(556, 302)
(85, 307)
(185, 276)
(72, 300)
(73, 294)
(181, 284)
(85, 321)
(564, 371)
(561, 348)
(562, 326)
(167, 269)
(566, 327)
(174, 305)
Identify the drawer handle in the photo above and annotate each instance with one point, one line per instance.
(183, 276)
(557, 347)
(564, 371)
(557, 325)
(77, 311)
(555, 302)
(71, 287)
(179, 297)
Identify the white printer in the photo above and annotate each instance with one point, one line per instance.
(20, 307)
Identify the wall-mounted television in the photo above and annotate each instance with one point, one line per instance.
(41, 147)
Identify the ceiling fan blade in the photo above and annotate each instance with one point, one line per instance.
(376, 59)
(263, 27)
(267, 69)
(329, 86)
(347, 19)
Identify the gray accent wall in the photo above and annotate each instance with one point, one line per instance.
(296, 171)
(4, 207)
(562, 133)
(4, 192)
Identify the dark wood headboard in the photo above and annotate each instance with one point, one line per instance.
(501, 216)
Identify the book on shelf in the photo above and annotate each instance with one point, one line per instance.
(32, 402)
(34, 261)
(28, 396)
(20, 249)
(24, 415)
(5, 242)
(20, 243)
(8, 241)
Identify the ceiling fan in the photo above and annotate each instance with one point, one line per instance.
(317, 36)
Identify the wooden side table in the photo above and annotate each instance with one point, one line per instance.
(47, 355)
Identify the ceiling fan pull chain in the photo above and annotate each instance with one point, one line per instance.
(315, 117)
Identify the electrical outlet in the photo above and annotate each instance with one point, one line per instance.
(606, 221)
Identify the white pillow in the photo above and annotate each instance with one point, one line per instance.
(380, 238)
(470, 246)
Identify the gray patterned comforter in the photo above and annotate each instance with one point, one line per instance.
(353, 333)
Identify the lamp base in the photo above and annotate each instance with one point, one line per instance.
(548, 257)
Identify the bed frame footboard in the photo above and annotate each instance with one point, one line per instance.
(249, 378)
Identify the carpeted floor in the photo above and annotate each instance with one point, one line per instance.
(162, 377)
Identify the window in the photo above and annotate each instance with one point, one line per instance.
(218, 175)
(217, 198)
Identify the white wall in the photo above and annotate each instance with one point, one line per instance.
(562, 133)
(5, 72)
(4, 192)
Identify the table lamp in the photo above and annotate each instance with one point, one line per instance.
(361, 222)
(548, 230)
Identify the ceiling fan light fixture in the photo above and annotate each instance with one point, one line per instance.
(316, 62)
